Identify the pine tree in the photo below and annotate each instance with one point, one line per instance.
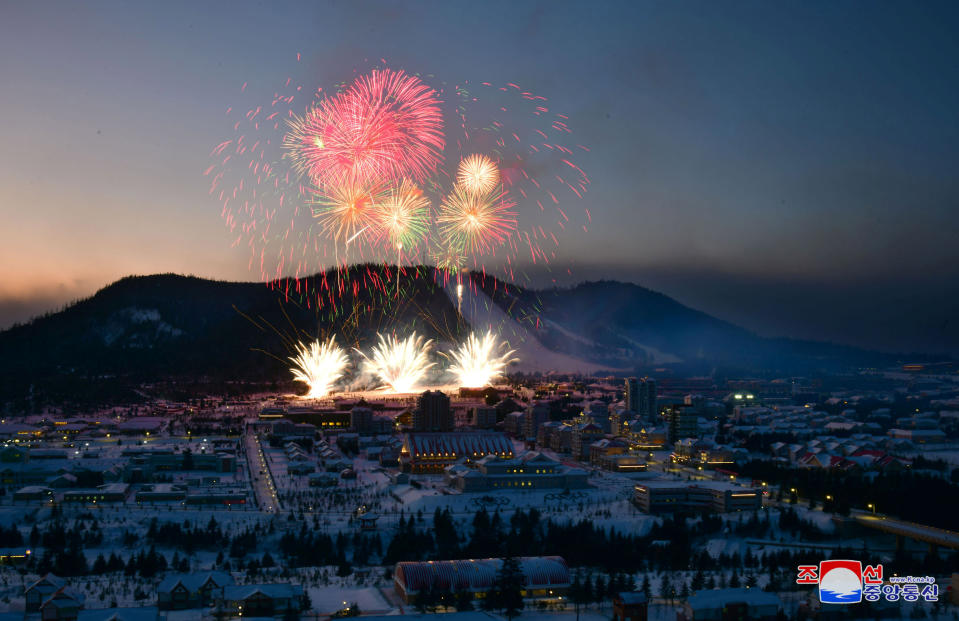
(665, 588)
(599, 590)
(507, 591)
(699, 580)
(646, 588)
(577, 593)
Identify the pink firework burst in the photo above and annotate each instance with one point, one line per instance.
(386, 126)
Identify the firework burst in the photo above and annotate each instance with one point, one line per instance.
(305, 159)
(448, 257)
(387, 125)
(319, 365)
(478, 174)
(399, 364)
(477, 223)
(479, 361)
(403, 217)
(347, 210)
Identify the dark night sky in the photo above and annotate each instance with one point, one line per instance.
(791, 167)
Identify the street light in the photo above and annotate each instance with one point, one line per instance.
(873, 507)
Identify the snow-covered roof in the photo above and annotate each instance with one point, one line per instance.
(718, 598)
(632, 597)
(194, 581)
(458, 444)
(274, 591)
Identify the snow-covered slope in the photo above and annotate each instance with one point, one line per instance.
(482, 314)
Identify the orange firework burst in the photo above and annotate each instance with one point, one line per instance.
(478, 174)
(476, 222)
(347, 210)
(403, 216)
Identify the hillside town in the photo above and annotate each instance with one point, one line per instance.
(636, 498)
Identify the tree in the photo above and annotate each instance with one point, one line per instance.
(665, 588)
(646, 588)
(599, 589)
(699, 580)
(507, 593)
(578, 594)
(444, 533)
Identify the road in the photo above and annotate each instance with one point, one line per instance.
(264, 489)
(910, 530)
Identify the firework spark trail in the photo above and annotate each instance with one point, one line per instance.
(357, 234)
(399, 364)
(479, 361)
(319, 365)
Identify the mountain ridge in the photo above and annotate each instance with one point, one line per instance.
(143, 328)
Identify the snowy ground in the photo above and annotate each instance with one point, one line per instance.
(605, 503)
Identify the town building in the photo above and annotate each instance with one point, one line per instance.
(701, 496)
(433, 452)
(723, 604)
(432, 412)
(483, 416)
(544, 577)
(630, 606)
(607, 447)
(583, 435)
(536, 414)
(641, 396)
(682, 422)
(361, 419)
(532, 470)
(626, 462)
(63, 604)
(259, 600)
(39, 591)
(513, 423)
(184, 591)
(918, 436)
(111, 492)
